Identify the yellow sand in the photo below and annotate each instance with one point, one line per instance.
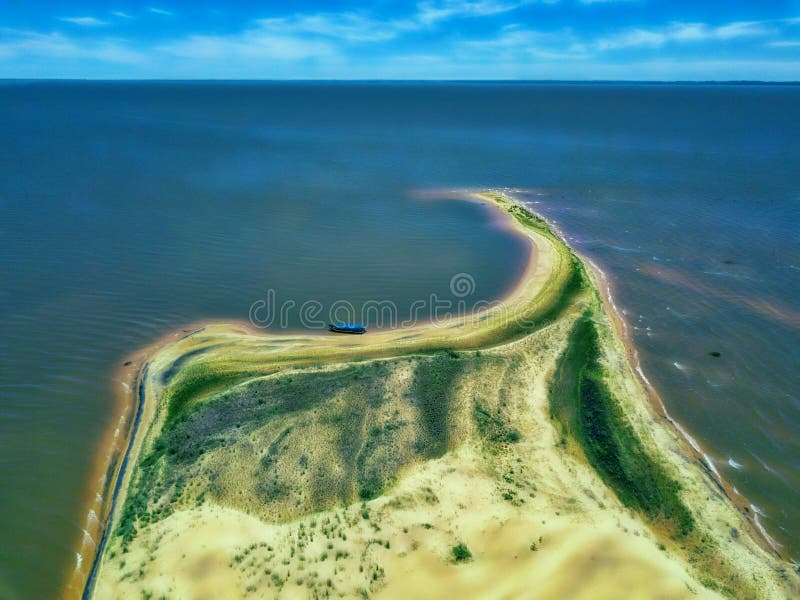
(557, 531)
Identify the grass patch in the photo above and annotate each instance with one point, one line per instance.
(194, 382)
(585, 409)
(258, 432)
(493, 427)
(433, 390)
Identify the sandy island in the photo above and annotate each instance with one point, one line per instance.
(515, 452)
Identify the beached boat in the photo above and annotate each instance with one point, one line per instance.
(341, 327)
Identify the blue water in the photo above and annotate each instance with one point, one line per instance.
(129, 209)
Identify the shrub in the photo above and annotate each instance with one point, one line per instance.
(461, 553)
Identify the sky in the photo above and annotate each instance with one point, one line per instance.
(427, 39)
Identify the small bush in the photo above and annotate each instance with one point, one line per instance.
(461, 553)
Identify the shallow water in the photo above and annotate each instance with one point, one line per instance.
(127, 210)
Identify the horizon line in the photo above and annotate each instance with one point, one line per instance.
(377, 80)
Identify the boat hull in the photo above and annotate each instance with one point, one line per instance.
(350, 330)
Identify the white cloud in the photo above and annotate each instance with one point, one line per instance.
(84, 21)
(320, 36)
(349, 27)
(27, 44)
(160, 11)
(742, 29)
(250, 45)
(354, 27)
(515, 43)
(683, 32)
(632, 37)
(429, 12)
(335, 44)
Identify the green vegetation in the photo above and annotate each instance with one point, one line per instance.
(587, 411)
(433, 390)
(461, 553)
(194, 382)
(248, 446)
(574, 280)
(575, 283)
(494, 426)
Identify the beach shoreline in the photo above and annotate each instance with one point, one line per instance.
(381, 343)
(692, 447)
(124, 380)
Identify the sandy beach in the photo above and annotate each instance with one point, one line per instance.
(532, 508)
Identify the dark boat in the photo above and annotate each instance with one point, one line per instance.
(347, 328)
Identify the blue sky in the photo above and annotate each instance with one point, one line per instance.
(429, 39)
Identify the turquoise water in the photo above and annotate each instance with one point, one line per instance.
(127, 210)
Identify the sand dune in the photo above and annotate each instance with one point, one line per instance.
(512, 454)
